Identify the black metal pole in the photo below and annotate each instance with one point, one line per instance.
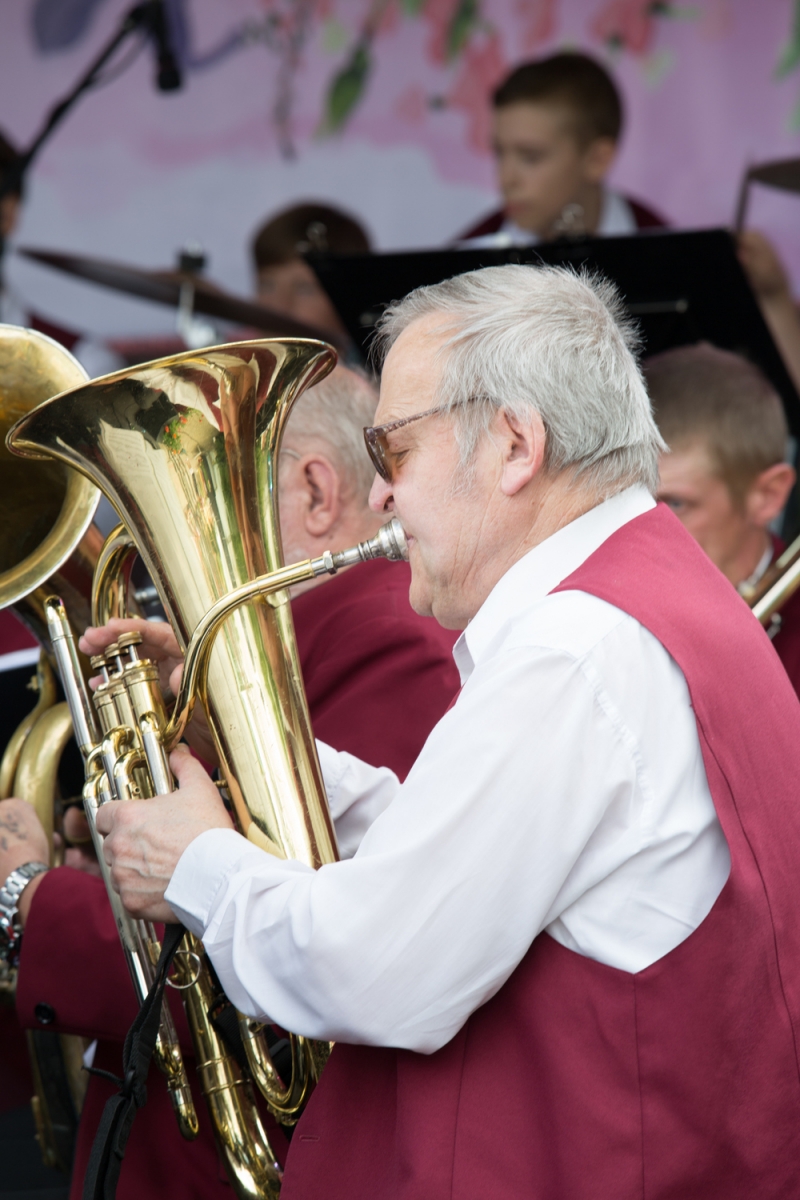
(148, 16)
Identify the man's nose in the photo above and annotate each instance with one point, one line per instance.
(381, 498)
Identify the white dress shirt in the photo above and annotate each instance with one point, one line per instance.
(616, 220)
(564, 791)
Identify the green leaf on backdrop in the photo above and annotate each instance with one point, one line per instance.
(346, 91)
(790, 56)
(412, 8)
(463, 24)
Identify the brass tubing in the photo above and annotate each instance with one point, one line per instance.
(139, 941)
(389, 542)
(112, 576)
(774, 599)
(45, 685)
(37, 772)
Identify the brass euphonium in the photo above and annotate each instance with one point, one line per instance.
(47, 541)
(186, 449)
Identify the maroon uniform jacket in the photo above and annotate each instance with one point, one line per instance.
(644, 217)
(378, 678)
(579, 1081)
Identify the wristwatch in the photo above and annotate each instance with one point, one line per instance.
(10, 926)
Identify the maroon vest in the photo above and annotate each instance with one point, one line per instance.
(578, 1080)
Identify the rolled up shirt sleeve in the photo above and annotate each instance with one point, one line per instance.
(456, 871)
(357, 795)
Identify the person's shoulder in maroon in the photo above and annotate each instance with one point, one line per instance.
(378, 676)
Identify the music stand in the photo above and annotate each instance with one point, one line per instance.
(681, 288)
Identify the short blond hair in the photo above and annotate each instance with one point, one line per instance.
(703, 394)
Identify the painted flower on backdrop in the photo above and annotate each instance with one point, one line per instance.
(453, 27)
(467, 45)
(631, 24)
(482, 68)
(538, 20)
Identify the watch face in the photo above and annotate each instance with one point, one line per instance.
(10, 938)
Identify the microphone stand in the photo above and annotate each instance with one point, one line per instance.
(148, 16)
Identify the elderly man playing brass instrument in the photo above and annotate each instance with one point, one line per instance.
(562, 959)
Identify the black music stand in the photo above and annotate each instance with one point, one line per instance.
(681, 287)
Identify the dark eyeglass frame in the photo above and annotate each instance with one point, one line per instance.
(376, 437)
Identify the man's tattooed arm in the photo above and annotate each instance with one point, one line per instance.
(12, 831)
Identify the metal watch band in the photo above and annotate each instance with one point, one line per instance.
(10, 892)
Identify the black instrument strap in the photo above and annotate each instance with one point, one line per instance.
(108, 1150)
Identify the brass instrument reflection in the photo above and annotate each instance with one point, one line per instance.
(47, 541)
(186, 449)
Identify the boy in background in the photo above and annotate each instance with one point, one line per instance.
(556, 128)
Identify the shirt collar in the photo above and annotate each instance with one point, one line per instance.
(616, 218)
(544, 568)
(761, 567)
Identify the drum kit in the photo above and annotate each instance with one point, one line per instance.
(187, 291)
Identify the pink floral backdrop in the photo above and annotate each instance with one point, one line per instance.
(377, 105)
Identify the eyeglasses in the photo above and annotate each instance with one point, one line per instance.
(377, 439)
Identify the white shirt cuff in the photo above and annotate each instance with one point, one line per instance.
(202, 870)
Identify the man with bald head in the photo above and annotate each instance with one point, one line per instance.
(560, 958)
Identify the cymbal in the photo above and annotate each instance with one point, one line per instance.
(783, 173)
(164, 287)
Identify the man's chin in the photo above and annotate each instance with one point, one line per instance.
(421, 604)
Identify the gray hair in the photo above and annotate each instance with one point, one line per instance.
(335, 412)
(546, 339)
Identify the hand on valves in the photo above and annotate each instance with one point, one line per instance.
(161, 646)
(144, 839)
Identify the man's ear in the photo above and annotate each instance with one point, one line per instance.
(597, 159)
(767, 495)
(322, 505)
(522, 443)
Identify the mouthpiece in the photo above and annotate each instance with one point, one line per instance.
(389, 542)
